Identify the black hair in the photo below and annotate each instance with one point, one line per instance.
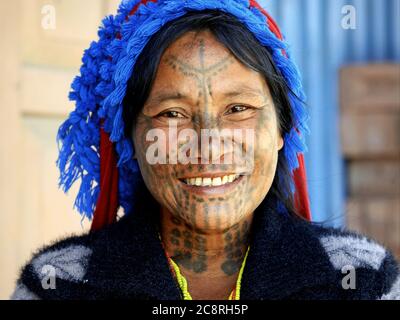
(230, 32)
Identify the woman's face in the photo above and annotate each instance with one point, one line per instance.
(201, 86)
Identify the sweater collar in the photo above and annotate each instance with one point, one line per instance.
(285, 257)
(128, 259)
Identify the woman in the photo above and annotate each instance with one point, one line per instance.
(164, 85)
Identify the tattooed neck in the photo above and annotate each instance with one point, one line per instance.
(218, 253)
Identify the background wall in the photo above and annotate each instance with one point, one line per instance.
(321, 46)
(38, 65)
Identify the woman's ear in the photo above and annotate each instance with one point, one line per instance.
(280, 142)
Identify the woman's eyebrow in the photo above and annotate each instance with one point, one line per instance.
(240, 90)
(244, 91)
(165, 96)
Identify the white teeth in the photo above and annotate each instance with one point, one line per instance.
(206, 181)
(217, 181)
(199, 181)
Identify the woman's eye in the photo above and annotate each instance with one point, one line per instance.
(237, 108)
(172, 114)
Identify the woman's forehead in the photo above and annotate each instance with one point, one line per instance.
(194, 43)
(199, 61)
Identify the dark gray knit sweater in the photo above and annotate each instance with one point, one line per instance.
(288, 259)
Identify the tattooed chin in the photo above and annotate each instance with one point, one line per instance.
(212, 201)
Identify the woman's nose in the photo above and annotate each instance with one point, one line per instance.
(206, 120)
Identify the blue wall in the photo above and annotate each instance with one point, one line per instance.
(320, 46)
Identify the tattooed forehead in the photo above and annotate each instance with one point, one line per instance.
(188, 45)
(201, 71)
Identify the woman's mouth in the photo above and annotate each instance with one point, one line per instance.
(215, 185)
(211, 181)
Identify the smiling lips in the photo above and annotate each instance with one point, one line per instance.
(211, 182)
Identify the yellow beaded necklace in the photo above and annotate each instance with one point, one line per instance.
(235, 294)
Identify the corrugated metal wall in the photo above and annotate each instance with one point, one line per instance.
(320, 46)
